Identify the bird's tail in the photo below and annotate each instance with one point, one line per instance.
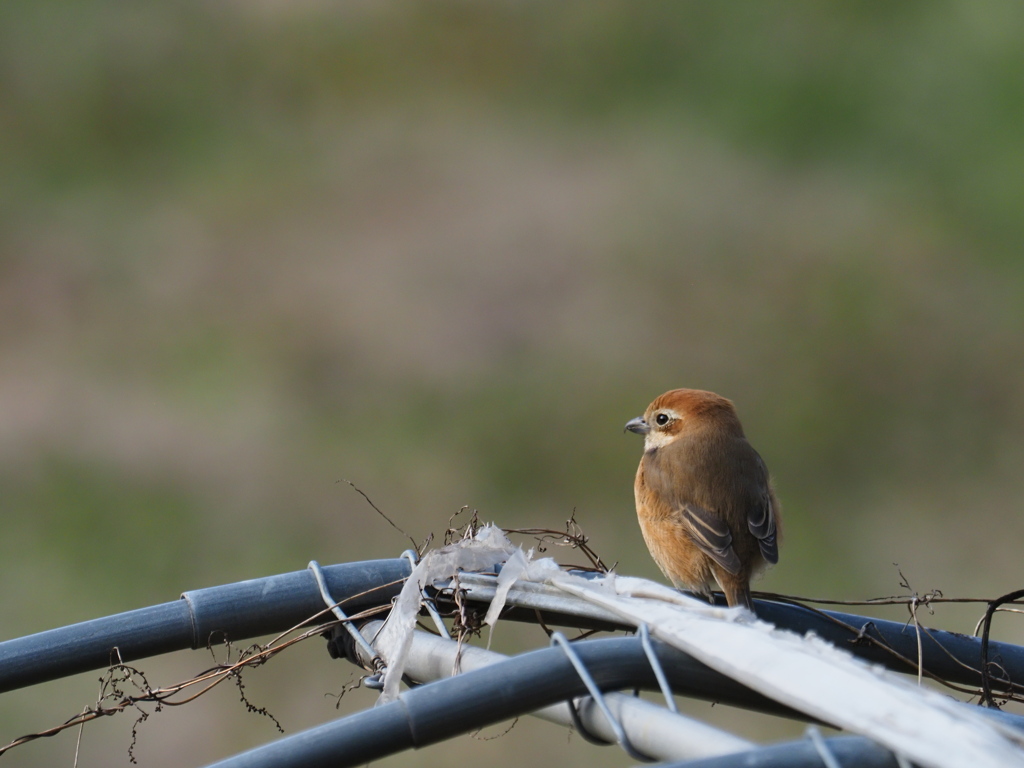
(738, 593)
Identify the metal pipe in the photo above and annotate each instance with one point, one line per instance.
(232, 611)
(506, 689)
(653, 730)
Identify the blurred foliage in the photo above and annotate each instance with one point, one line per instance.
(446, 250)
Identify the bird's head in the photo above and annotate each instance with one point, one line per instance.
(684, 411)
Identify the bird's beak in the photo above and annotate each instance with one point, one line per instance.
(638, 425)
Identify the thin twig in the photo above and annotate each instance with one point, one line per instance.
(986, 676)
(890, 600)
(360, 491)
(572, 537)
(78, 741)
(1000, 609)
(912, 608)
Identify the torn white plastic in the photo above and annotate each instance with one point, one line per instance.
(510, 572)
(811, 675)
(513, 568)
(488, 548)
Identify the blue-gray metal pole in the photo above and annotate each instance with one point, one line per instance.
(232, 611)
(440, 710)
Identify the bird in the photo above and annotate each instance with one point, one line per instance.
(704, 498)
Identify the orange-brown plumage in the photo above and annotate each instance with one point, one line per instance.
(703, 495)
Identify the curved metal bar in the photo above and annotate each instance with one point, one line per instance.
(233, 611)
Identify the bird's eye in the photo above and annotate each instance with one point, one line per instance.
(661, 419)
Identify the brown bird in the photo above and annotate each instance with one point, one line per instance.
(703, 495)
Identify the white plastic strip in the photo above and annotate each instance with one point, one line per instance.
(810, 675)
(488, 548)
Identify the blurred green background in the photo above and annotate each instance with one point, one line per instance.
(445, 251)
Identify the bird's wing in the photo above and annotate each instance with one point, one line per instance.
(761, 520)
(711, 535)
